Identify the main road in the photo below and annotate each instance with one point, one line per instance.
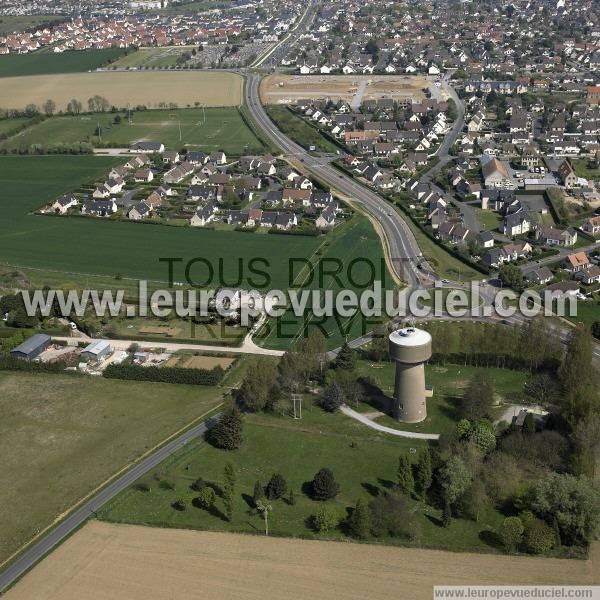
(55, 536)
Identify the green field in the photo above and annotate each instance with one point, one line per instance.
(10, 24)
(82, 246)
(488, 218)
(47, 63)
(163, 57)
(63, 435)
(207, 130)
(355, 240)
(300, 131)
(7, 125)
(583, 169)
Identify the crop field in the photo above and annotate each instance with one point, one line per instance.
(63, 435)
(286, 89)
(48, 63)
(143, 58)
(149, 89)
(10, 24)
(201, 129)
(71, 245)
(109, 561)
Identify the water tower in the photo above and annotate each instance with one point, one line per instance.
(410, 348)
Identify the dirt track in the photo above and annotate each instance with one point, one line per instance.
(108, 562)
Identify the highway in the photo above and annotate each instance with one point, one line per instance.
(55, 536)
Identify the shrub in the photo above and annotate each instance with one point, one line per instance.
(539, 536)
(206, 498)
(511, 533)
(198, 485)
(179, 505)
(326, 518)
(277, 487)
(359, 521)
(333, 398)
(164, 375)
(324, 485)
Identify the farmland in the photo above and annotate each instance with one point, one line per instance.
(10, 24)
(72, 433)
(149, 89)
(109, 561)
(48, 63)
(201, 129)
(129, 249)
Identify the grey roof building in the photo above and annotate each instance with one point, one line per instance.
(32, 347)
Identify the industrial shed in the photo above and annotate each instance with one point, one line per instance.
(32, 347)
(97, 351)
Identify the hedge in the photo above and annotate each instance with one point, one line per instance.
(164, 375)
(8, 363)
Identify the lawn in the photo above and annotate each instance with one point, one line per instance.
(300, 131)
(363, 461)
(130, 250)
(48, 63)
(122, 88)
(588, 312)
(195, 129)
(355, 240)
(448, 383)
(488, 218)
(582, 169)
(63, 435)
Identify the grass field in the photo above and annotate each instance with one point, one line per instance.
(10, 24)
(162, 57)
(488, 218)
(63, 435)
(71, 245)
(209, 129)
(48, 63)
(583, 169)
(300, 131)
(116, 561)
(123, 88)
(355, 240)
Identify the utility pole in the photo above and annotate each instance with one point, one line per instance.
(297, 398)
(99, 132)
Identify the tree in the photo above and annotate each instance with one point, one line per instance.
(292, 498)
(229, 490)
(596, 329)
(259, 389)
(49, 107)
(98, 104)
(390, 515)
(346, 358)
(179, 504)
(454, 478)
(277, 487)
(482, 435)
(324, 485)
(31, 110)
(478, 400)
(227, 432)
(475, 499)
(198, 485)
(359, 522)
(511, 276)
(117, 120)
(74, 106)
(264, 508)
(539, 536)
(541, 389)
(333, 397)
(423, 472)
(406, 480)
(573, 501)
(326, 518)
(258, 492)
(206, 498)
(447, 514)
(511, 532)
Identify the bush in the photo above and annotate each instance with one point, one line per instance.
(333, 398)
(390, 515)
(198, 485)
(179, 505)
(359, 522)
(326, 518)
(227, 432)
(277, 487)
(207, 498)
(511, 533)
(324, 485)
(539, 536)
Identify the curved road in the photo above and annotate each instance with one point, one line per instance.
(40, 548)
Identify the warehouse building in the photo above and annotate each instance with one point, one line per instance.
(97, 351)
(31, 348)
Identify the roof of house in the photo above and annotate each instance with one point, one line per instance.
(578, 259)
(32, 343)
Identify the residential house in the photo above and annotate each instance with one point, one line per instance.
(577, 261)
(61, 205)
